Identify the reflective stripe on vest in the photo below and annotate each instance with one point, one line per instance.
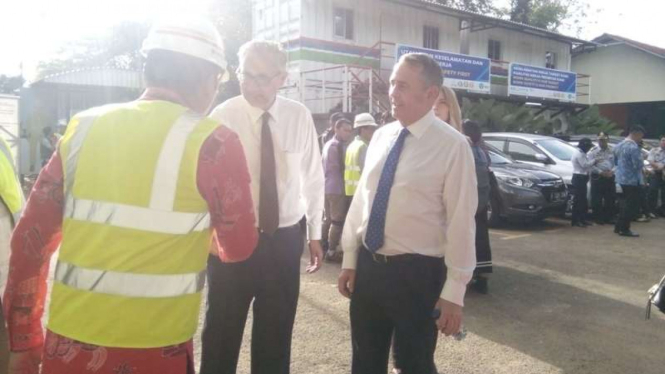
(128, 284)
(135, 217)
(159, 217)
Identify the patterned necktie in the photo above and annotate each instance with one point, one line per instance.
(377, 219)
(268, 200)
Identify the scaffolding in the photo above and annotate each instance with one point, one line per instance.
(357, 87)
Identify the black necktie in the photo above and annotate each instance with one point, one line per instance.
(268, 200)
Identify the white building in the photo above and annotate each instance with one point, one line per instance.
(335, 46)
(628, 80)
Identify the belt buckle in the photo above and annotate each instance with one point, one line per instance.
(379, 259)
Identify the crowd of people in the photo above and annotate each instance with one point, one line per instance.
(641, 184)
(149, 199)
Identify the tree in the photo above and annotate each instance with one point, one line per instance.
(477, 6)
(549, 14)
(119, 48)
(546, 14)
(10, 84)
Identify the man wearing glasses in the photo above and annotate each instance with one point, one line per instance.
(279, 139)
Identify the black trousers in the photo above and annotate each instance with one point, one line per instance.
(580, 204)
(271, 278)
(483, 248)
(397, 298)
(656, 190)
(603, 198)
(629, 207)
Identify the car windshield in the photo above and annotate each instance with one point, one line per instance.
(497, 157)
(558, 148)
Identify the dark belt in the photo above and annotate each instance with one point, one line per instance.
(394, 259)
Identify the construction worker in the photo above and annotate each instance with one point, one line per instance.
(10, 211)
(133, 196)
(365, 125)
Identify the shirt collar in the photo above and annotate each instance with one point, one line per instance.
(256, 113)
(162, 94)
(419, 127)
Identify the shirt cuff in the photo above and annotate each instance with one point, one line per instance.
(453, 291)
(350, 259)
(313, 231)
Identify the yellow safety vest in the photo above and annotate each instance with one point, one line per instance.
(10, 187)
(136, 231)
(352, 167)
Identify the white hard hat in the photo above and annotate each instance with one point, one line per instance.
(193, 37)
(364, 119)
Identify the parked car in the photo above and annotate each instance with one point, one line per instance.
(552, 154)
(523, 192)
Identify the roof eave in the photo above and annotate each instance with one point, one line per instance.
(462, 14)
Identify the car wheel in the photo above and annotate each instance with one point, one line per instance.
(493, 212)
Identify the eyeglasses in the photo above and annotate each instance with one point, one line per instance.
(260, 79)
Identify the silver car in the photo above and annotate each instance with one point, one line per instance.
(553, 154)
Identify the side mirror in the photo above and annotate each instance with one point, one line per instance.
(542, 158)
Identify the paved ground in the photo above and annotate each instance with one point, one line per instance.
(561, 300)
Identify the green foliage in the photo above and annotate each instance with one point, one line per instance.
(549, 14)
(546, 14)
(118, 48)
(477, 6)
(592, 122)
(11, 84)
(495, 116)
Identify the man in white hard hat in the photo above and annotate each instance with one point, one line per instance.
(280, 142)
(133, 196)
(365, 125)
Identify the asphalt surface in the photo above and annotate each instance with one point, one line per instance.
(561, 300)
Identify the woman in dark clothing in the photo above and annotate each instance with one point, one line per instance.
(483, 249)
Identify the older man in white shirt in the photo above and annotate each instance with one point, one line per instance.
(415, 205)
(279, 139)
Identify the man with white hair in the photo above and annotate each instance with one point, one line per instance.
(280, 142)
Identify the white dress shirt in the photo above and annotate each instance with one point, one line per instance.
(432, 203)
(581, 163)
(298, 161)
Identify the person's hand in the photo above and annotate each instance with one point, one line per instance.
(26, 362)
(315, 256)
(450, 320)
(346, 282)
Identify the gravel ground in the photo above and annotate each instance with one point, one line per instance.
(562, 300)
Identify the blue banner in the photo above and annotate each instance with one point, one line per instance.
(533, 81)
(460, 71)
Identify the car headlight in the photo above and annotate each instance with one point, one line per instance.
(515, 181)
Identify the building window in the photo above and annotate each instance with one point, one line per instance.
(550, 60)
(431, 37)
(494, 50)
(343, 23)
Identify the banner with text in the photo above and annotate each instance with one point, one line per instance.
(525, 80)
(460, 71)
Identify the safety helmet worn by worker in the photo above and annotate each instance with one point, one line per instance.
(193, 37)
